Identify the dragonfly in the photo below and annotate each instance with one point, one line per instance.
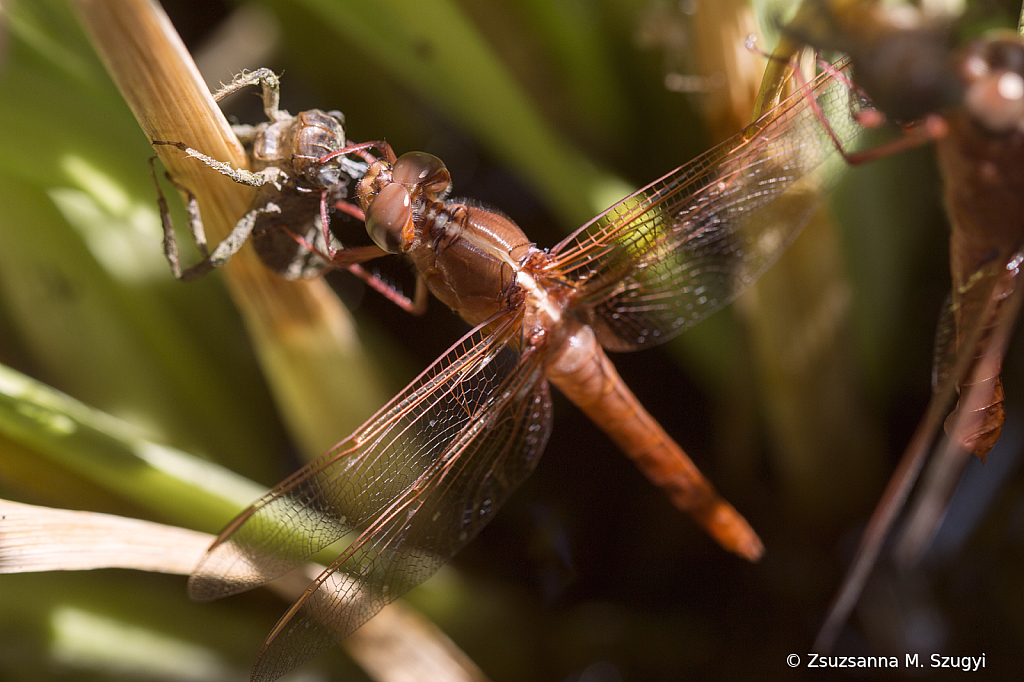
(425, 474)
(296, 192)
(969, 100)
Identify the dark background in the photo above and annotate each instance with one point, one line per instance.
(588, 573)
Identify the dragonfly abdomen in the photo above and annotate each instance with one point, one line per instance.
(582, 371)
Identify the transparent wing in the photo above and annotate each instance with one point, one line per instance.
(944, 353)
(977, 428)
(500, 437)
(982, 347)
(975, 424)
(687, 244)
(480, 415)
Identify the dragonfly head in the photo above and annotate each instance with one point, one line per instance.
(388, 192)
(389, 218)
(993, 73)
(422, 173)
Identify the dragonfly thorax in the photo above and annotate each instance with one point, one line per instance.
(467, 254)
(469, 257)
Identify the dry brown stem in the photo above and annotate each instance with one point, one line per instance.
(302, 334)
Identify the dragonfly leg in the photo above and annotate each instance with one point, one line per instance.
(349, 208)
(223, 252)
(351, 259)
(271, 174)
(325, 220)
(271, 90)
(417, 305)
(362, 151)
(931, 128)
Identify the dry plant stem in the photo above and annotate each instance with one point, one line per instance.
(719, 32)
(396, 646)
(798, 313)
(36, 539)
(302, 334)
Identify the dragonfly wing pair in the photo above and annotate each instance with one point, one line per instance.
(687, 244)
(422, 477)
(415, 483)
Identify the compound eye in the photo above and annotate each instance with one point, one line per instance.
(423, 170)
(388, 215)
(994, 73)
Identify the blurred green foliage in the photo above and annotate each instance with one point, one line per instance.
(529, 103)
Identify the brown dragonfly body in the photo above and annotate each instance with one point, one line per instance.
(428, 471)
(909, 66)
(970, 101)
(481, 265)
(982, 163)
